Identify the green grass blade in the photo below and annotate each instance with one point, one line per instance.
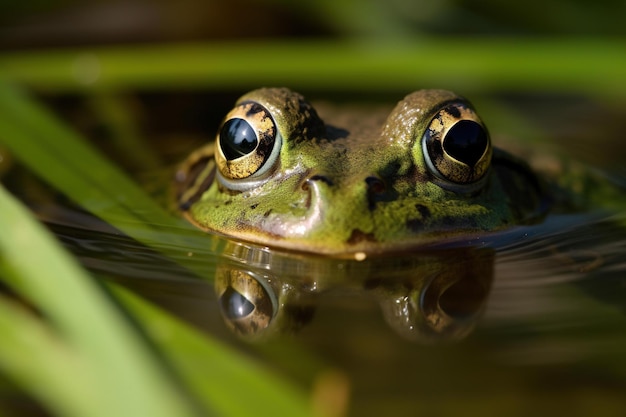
(125, 378)
(223, 380)
(94, 364)
(43, 364)
(584, 65)
(69, 164)
(44, 144)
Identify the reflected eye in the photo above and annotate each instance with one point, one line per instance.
(249, 142)
(456, 146)
(248, 306)
(235, 305)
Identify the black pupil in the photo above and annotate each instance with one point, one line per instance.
(235, 305)
(237, 139)
(466, 141)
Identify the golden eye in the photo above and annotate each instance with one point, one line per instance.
(248, 142)
(247, 306)
(456, 146)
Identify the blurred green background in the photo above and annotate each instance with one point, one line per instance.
(43, 23)
(357, 46)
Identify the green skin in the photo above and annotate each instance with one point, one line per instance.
(317, 196)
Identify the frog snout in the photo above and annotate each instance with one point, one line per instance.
(372, 189)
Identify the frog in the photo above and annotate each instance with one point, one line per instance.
(355, 181)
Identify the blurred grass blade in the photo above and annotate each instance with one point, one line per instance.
(45, 145)
(61, 158)
(220, 378)
(95, 365)
(575, 65)
(48, 369)
(120, 376)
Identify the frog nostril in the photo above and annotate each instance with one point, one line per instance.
(378, 191)
(375, 185)
(314, 187)
(311, 181)
(321, 178)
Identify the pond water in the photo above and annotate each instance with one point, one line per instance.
(531, 320)
(527, 321)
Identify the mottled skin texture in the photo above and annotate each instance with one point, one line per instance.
(348, 181)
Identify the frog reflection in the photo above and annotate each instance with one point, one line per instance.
(425, 296)
(254, 305)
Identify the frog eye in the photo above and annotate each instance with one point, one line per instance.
(247, 306)
(456, 146)
(248, 142)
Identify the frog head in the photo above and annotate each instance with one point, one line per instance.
(334, 181)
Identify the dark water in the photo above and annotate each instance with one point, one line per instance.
(531, 320)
